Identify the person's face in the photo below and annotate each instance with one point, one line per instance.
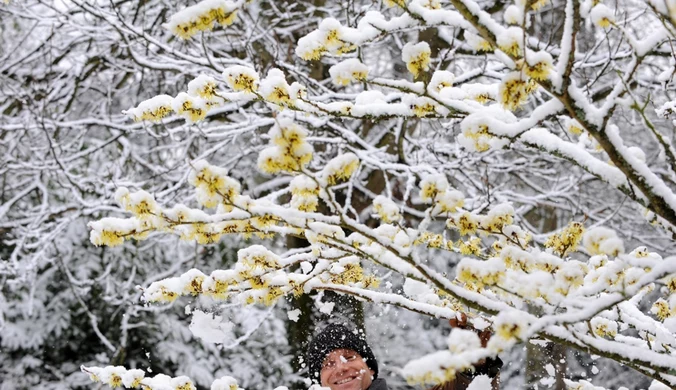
(344, 369)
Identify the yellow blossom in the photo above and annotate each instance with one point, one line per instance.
(537, 4)
(567, 240)
(417, 57)
(398, 3)
(538, 65)
(470, 247)
(514, 90)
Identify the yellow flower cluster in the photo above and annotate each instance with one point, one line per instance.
(570, 276)
(266, 295)
(510, 41)
(514, 90)
(201, 17)
(192, 108)
(603, 327)
(470, 247)
(602, 16)
(433, 240)
(602, 241)
(153, 109)
(566, 240)
(498, 218)
(538, 65)
(348, 71)
(257, 277)
(480, 273)
(510, 326)
(396, 3)
(433, 377)
(241, 78)
(435, 189)
(417, 57)
(477, 43)
(256, 260)
(351, 274)
(213, 186)
(663, 309)
(574, 127)
(537, 4)
(386, 209)
(517, 259)
(115, 376)
(112, 231)
(432, 186)
(289, 151)
(204, 87)
(304, 193)
(424, 107)
(340, 169)
(466, 222)
(328, 37)
(432, 4)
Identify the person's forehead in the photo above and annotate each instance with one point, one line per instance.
(340, 352)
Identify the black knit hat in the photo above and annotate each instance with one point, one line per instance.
(336, 336)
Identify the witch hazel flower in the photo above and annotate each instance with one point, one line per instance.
(602, 241)
(431, 186)
(514, 90)
(112, 231)
(192, 108)
(225, 383)
(477, 43)
(212, 184)
(386, 209)
(166, 290)
(417, 57)
(348, 71)
(476, 134)
(441, 79)
(602, 16)
(153, 109)
(288, 150)
(203, 86)
(538, 65)
(304, 193)
(510, 41)
(201, 17)
(241, 78)
(340, 168)
(275, 89)
(510, 326)
(604, 327)
(514, 15)
(329, 37)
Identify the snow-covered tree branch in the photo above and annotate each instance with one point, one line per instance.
(438, 156)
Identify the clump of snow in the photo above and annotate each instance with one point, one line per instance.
(441, 79)
(462, 340)
(210, 327)
(514, 15)
(602, 240)
(293, 315)
(225, 383)
(481, 382)
(348, 71)
(386, 209)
